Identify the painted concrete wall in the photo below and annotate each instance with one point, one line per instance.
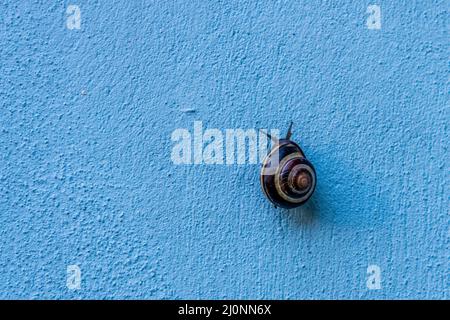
(86, 177)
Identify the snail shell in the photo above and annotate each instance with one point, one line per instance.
(288, 179)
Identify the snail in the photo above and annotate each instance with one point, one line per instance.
(288, 179)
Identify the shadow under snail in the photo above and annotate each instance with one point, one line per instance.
(288, 179)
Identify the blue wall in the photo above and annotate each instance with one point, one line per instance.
(86, 177)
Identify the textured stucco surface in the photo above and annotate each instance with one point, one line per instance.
(85, 170)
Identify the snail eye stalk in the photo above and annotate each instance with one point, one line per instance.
(274, 139)
(289, 132)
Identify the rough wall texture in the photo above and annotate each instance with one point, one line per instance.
(85, 135)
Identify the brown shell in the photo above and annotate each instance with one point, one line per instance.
(288, 179)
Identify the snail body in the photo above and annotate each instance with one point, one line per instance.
(288, 179)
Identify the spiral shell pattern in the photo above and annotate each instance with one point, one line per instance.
(288, 179)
